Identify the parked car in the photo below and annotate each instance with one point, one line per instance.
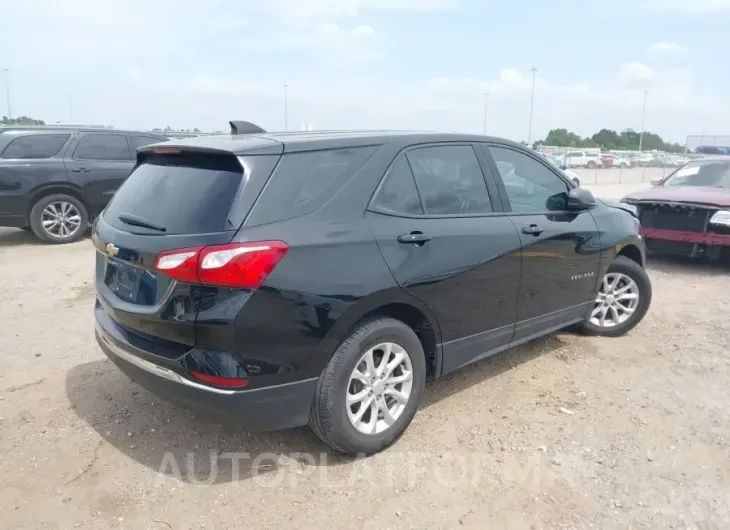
(688, 212)
(572, 175)
(284, 279)
(55, 181)
(582, 159)
(643, 159)
(611, 160)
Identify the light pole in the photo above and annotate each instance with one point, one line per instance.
(486, 101)
(532, 104)
(286, 108)
(7, 91)
(643, 114)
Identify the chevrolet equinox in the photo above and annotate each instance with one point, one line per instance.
(284, 279)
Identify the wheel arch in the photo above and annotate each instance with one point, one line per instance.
(56, 188)
(632, 252)
(393, 303)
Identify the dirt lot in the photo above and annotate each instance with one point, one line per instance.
(567, 432)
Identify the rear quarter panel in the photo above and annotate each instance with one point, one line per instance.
(332, 275)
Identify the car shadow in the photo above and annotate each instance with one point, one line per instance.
(175, 443)
(687, 266)
(15, 237)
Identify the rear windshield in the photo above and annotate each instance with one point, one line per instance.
(177, 194)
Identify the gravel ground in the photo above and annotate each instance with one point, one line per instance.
(566, 432)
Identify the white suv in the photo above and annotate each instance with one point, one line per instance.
(582, 159)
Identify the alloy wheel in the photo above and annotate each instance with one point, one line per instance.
(61, 219)
(379, 388)
(617, 300)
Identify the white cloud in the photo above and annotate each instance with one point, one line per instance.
(667, 48)
(333, 41)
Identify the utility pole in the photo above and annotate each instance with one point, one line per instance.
(643, 114)
(7, 91)
(532, 104)
(486, 101)
(286, 108)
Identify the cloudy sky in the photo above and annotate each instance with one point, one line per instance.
(404, 64)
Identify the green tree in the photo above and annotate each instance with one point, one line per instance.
(609, 140)
(21, 120)
(562, 138)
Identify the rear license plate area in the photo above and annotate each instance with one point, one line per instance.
(130, 283)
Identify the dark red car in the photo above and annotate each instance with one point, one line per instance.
(688, 212)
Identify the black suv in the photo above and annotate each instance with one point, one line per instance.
(290, 278)
(54, 180)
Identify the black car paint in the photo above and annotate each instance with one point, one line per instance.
(479, 286)
(24, 181)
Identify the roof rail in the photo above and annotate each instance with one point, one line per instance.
(245, 127)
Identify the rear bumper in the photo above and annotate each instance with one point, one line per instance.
(704, 238)
(262, 409)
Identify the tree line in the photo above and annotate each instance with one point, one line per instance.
(609, 140)
(21, 120)
(606, 139)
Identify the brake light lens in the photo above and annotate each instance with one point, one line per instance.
(236, 265)
(166, 150)
(181, 264)
(224, 382)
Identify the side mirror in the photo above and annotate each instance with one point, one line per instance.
(655, 181)
(580, 199)
(576, 181)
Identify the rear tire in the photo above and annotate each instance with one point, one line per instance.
(591, 164)
(59, 219)
(624, 279)
(349, 375)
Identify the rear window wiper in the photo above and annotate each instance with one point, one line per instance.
(138, 221)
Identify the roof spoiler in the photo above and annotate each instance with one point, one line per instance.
(245, 127)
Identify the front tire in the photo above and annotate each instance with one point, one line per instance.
(622, 301)
(59, 219)
(370, 391)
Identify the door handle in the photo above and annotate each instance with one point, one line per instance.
(80, 170)
(534, 230)
(414, 238)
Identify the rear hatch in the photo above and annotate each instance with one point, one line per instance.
(177, 202)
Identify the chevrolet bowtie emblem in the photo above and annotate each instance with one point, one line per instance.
(112, 249)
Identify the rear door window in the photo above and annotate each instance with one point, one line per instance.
(304, 182)
(35, 146)
(102, 146)
(450, 180)
(179, 194)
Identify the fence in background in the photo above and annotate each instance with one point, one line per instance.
(634, 175)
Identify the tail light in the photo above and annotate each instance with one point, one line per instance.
(237, 265)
